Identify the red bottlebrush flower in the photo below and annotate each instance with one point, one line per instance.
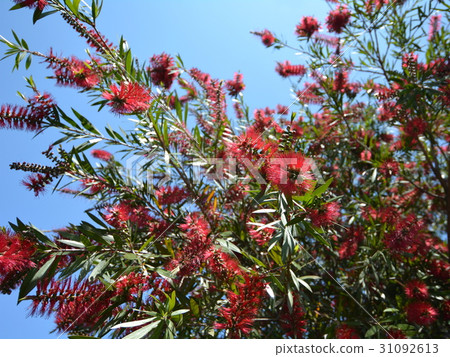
(238, 110)
(330, 41)
(243, 307)
(197, 246)
(102, 155)
(416, 289)
(293, 322)
(285, 69)
(16, 253)
(325, 215)
(39, 4)
(235, 193)
(346, 332)
(267, 37)
(352, 239)
(76, 305)
(415, 127)
(290, 173)
(236, 85)
(249, 146)
(310, 94)
(132, 284)
(396, 334)
(94, 185)
(435, 26)
(162, 70)
(338, 19)
(222, 265)
(440, 269)
(307, 27)
(389, 168)
(366, 155)
(262, 236)
(445, 309)
(421, 313)
(403, 237)
(170, 195)
(37, 182)
(128, 98)
(119, 215)
(282, 109)
(30, 117)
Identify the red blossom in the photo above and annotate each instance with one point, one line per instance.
(396, 334)
(338, 19)
(128, 98)
(267, 37)
(293, 321)
(421, 313)
(351, 241)
(307, 27)
(119, 215)
(435, 26)
(243, 307)
(37, 182)
(236, 85)
(39, 4)
(286, 69)
(416, 289)
(346, 332)
(168, 195)
(102, 154)
(162, 70)
(403, 237)
(290, 173)
(325, 215)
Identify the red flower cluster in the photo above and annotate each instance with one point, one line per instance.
(267, 37)
(74, 72)
(290, 173)
(30, 117)
(37, 182)
(396, 334)
(170, 195)
(286, 69)
(77, 305)
(102, 154)
(435, 26)
(421, 313)
(119, 215)
(15, 259)
(293, 322)
(338, 19)
(243, 307)
(325, 215)
(236, 85)
(416, 289)
(307, 27)
(128, 98)
(39, 4)
(162, 70)
(346, 332)
(403, 236)
(349, 247)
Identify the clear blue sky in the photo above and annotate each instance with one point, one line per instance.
(210, 35)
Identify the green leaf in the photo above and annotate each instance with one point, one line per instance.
(143, 331)
(33, 277)
(372, 331)
(133, 323)
(179, 312)
(195, 309)
(318, 192)
(72, 243)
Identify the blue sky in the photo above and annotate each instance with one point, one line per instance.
(213, 36)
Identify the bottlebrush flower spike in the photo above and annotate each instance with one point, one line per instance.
(39, 4)
(346, 332)
(307, 27)
(170, 195)
(350, 243)
(128, 98)
(338, 19)
(243, 307)
(16, 255)
(290, 173)
(293, 322)
(236, 85)
(435, 26)
(37, 182)
(101, 154)
(119, 215)
(267, 37)
(403, 237)
(286, 69)
(416, 289)
(162, 70)
(74, 72)
(325, 215)
(30, 117)
(421, 313)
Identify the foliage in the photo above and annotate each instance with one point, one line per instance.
(327, 218)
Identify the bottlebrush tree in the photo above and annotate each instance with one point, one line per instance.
(325, 219)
